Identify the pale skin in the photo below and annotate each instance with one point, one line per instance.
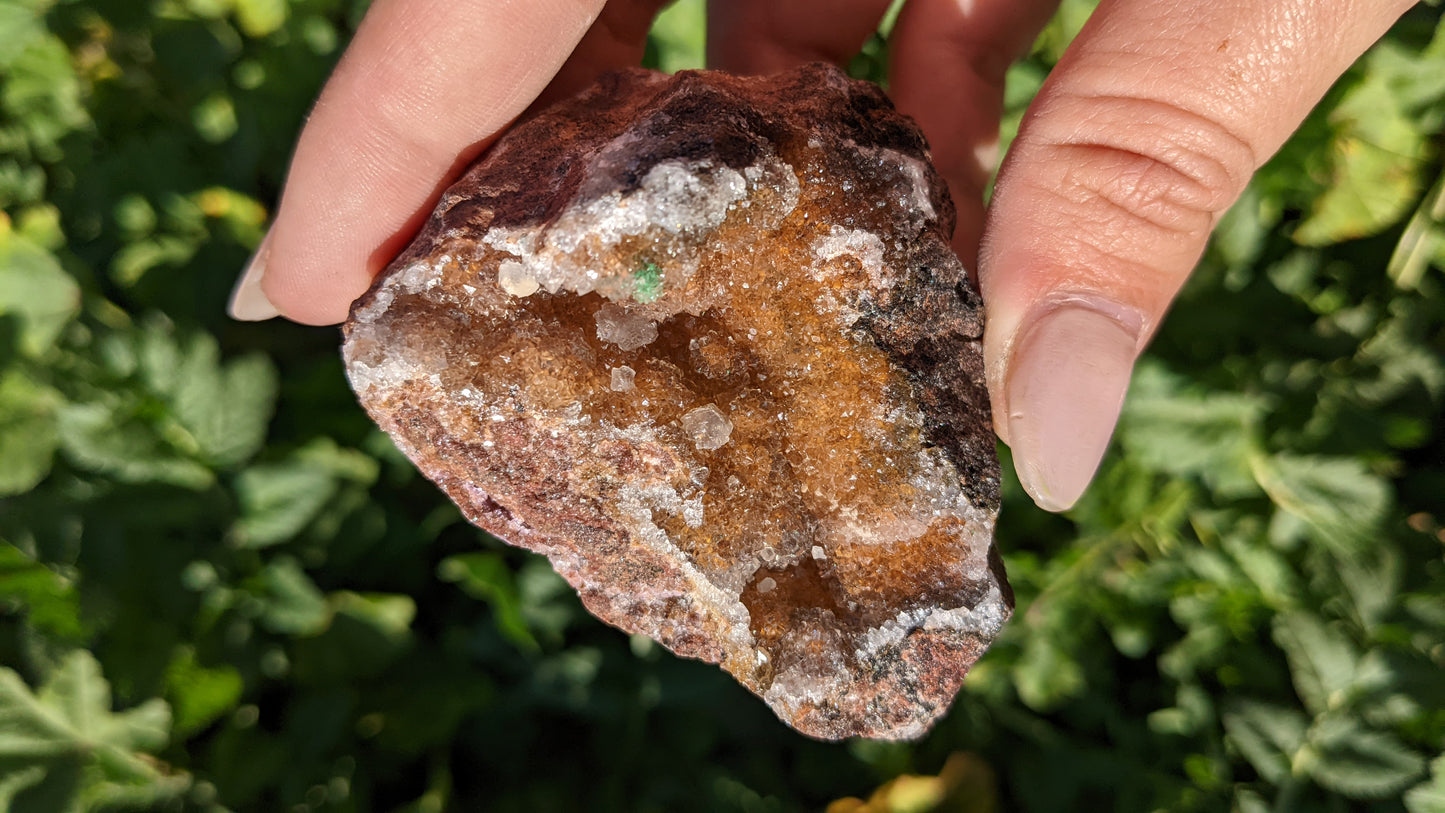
(1146, 132)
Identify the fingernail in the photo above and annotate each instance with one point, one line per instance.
(248, 301)
(1065, 390)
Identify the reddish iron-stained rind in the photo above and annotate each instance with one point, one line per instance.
(700, 340)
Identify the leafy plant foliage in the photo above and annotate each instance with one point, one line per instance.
(222, 588)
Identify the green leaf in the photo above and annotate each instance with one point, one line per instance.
(367, 633)
(1047, 675)
(259, 18)
(57, 790)
(1066, 24)
(15, 781)
(679, 36)
(69, 723)
(1266, 735)
(485, 576)
(40, 224)
(1429, 796)
(112, 438)
(317, 487)
(1429, 609)
(131, 264)
(1337, 497)
(28, 433)
(82, 696)
(1270, 572)
(1403, 355)
(1422, 243)
(1242, 230)
(42, 94)
(1378, 153)
(1365, 764)
(222, 410)
(48, 599)
(215, 118)
(1371, 582)
(390, 615)
(292, 604)
(1322, 660)
(200, 694)
(278, 500)
(1413, 75)
(183, 414)
(225, 408)
(20, 27)
(1247, 801)
(36, 290)
(1211, 436)
(549, 604)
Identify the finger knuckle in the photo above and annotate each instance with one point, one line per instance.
(1151, 163)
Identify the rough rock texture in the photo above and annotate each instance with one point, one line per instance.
(701, 341)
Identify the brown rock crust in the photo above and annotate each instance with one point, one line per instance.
(701, 341)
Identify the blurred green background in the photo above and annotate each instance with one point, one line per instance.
(222, 588)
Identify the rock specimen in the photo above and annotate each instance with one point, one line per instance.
(701, 341)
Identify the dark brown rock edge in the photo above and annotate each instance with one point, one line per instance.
(701, 341)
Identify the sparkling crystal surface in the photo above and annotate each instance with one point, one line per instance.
(700, 340)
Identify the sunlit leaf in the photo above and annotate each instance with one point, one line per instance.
(366, 632)
(20, 27)
(1378, 154)
(1184, 433)
(42, 93)
(36, 290)
(226, 408)
(28, 433)
(132, 263)
(1063, 27)
(113, 439)
(1365, 764)
(215, 118)
(200, 694)
(49, 600)
(292, 604)
(1266, 735)
(1371, 582)
(1046, 675)
(258, 18)
(486, 576)
(278, 500)
(1337, 497)
(1429, 796)
(678, 36)
(69, 722)
(1322, 660)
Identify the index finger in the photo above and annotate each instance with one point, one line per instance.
(424, 86)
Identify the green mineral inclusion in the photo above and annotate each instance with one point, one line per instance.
(648, 281)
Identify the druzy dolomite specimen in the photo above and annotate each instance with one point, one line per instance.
(701, 341)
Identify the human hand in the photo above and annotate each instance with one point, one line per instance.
(423, 88)
(1145, 133)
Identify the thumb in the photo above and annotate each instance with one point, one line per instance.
(1146, 132)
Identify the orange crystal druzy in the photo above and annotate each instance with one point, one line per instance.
(701, 341)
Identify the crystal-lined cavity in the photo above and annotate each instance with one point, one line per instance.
(701, 341)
